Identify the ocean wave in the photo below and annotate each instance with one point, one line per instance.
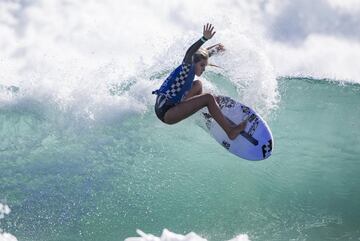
(80, 62)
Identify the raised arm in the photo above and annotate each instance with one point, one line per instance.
(207, 34)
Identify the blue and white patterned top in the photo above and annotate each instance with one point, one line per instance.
(178, 83)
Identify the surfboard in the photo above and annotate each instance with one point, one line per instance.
(255, 143)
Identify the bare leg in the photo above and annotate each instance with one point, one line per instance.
(191, 105)
(196, 89)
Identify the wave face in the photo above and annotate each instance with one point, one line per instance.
(83, 157)
(102, 181)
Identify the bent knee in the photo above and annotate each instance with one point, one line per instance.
(209, 97)
(198, 85)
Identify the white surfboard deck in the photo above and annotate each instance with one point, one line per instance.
(255, 143)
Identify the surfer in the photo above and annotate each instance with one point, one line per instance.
(180, 96)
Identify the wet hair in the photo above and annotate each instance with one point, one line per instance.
(200, 55)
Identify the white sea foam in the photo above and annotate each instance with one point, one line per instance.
(74, 56)
(5, 210)
(169, 236)
(7, 237)
(319, 38)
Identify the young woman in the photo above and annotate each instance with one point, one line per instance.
(180, 96)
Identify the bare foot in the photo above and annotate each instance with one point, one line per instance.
(235, 131)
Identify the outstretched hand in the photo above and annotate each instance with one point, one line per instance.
(208, 31)
(219, 47)
(216, 48)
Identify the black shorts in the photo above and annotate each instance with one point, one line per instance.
(162, 105)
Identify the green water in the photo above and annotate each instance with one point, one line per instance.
(67, 179)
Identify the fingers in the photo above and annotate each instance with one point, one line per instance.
(208, 31)
(209, 27)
